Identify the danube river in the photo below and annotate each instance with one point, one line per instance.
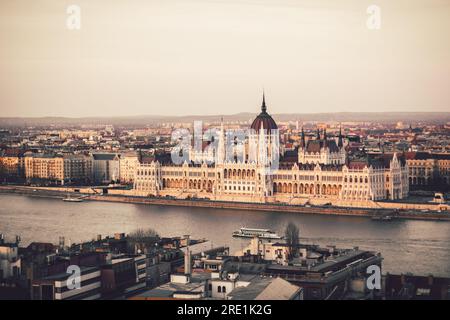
(419, 247)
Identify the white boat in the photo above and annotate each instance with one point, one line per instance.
(69, 199)
(253, 232)
(382, 218)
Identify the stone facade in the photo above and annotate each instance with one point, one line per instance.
(320, 172)
(128, 163)
(428, 169)
(44, 167)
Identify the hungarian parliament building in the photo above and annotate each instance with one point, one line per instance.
(318, 173)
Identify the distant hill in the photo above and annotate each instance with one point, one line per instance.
(386, 117)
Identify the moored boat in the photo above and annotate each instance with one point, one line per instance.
(382, 218)
(70, 199)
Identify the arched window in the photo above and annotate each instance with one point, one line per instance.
(219, 289)
(224, 289)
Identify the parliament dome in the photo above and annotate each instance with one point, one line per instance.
(264, 119)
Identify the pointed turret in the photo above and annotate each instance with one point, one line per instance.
(340, 142)
(302, 141)
(263, 106)
(221, 142)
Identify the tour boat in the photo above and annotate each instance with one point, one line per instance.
(253, 232)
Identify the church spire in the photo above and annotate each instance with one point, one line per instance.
(340, 142)
(221, 148)
(263, 106)
(302, 142)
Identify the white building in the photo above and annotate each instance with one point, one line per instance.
(322, 150)
(250, 173)
(59, 286)
(276, 252)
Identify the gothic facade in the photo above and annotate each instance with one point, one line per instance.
(321, 172)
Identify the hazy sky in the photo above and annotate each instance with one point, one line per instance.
(179, 57)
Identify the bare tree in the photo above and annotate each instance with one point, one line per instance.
(292, 236)
(142, 239)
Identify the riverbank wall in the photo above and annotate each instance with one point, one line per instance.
(59, 193)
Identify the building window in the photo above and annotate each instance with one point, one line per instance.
(219, 289)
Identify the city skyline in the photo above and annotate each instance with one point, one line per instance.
(217, 152)
(196, 57)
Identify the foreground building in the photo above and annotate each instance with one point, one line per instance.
(258, 170)
(207, 277)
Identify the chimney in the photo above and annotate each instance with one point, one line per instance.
(99, 237)
(187, 263)
(61, 242)
(187, 258)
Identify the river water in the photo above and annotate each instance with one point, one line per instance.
(419, 247)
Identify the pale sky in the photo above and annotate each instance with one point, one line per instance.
(184, 57)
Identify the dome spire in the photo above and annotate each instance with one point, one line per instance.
(264, 118)
(263, 106)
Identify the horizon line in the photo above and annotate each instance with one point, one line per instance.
(222, 115)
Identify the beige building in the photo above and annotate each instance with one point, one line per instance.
(9, 165)
(128, 164)
(320, 172)
(428, 169)
(44, 167)
(12, 164)
(59, 169)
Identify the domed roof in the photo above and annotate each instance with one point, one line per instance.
(265, 119)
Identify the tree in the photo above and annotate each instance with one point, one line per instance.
(292, 236)
(142, 239)
(3, 173)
